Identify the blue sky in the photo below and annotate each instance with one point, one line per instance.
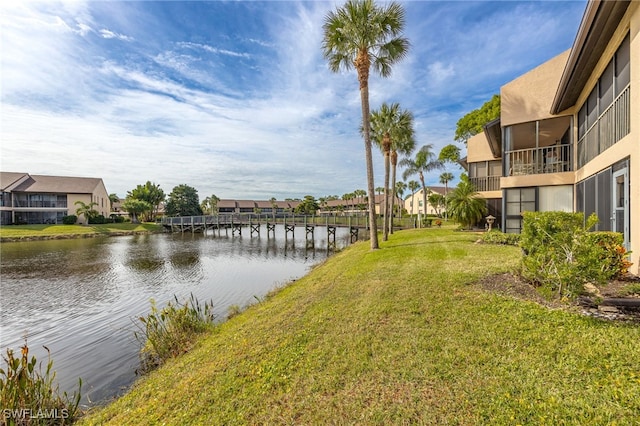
(234, 98)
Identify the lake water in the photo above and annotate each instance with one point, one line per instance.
(81, 297)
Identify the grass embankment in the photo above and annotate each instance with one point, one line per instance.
(397, 335)
(35, 232)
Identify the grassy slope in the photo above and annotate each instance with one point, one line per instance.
(398, 335)
(37, 231)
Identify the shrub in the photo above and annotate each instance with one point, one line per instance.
(118, 219)
(561, 255)
(609, 253)
(70, 219)
(498, 237)
(97, 220)
(171, 331)
(25, 391)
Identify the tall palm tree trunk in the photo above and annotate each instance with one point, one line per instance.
(424, 195)
(394, 163)
(362, 64)
(386, 144)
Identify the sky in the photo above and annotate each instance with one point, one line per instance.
(234, 98)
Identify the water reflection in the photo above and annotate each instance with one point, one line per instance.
(79, 297)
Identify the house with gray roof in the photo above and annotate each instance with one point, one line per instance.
(37, 199)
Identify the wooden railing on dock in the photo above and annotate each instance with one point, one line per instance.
(236, 221)
(246, 219)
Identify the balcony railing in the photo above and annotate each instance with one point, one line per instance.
(611, 126)
(40, 204)
(487, 183)
(533, 161)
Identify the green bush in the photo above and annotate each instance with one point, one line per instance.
(97, 220)
(498, 237)
(561, 255)
(25, 391)
(171, 331)
(118, 219)
(70, 219)
(609, 252)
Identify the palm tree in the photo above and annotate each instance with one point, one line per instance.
(445, 178)
(413, 187)
(403, 144)
(210, 204)
(466, 205)
(379, 190)
(400, 188)
(86, 210)
(390, 127)
(362, 35)
(424, 162)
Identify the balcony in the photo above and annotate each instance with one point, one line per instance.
(611, 126)
(487, 183)
(533, 161)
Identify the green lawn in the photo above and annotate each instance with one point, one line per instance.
(398, 336)
(40, 231)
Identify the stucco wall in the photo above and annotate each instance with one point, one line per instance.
(99, 196)
(478, 149)
(529, 97)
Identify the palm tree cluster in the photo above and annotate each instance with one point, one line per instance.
(366, 37)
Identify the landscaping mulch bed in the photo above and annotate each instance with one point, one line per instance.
(513, 285)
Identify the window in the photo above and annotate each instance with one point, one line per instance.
(593, 195)
(555, 198)
(518, 200)
(495, 168)
(5, 199)
(622, 60)
(544, 198)
(604, 118)
(606, 85)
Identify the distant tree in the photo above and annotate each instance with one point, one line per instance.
(472, 123)
(274, 206)
(86, 210)
(413, 187)
(359, 193)
(210, 204)
(183, 201)
(362, 35)
(400, 188)
(437, 201)
(113, 198)
(349, 196)
(379, 189)
(424, 162)
(135, 208)
(308, 206)
(445, 178)
(466, 205)
(152, 194)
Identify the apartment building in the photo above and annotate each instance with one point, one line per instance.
(568, 137)
(37, 199)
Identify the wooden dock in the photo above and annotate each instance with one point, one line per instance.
(236, 222)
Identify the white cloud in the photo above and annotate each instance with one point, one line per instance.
(215, 50)
(257, 114)
(439, 73)
(110, 34)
